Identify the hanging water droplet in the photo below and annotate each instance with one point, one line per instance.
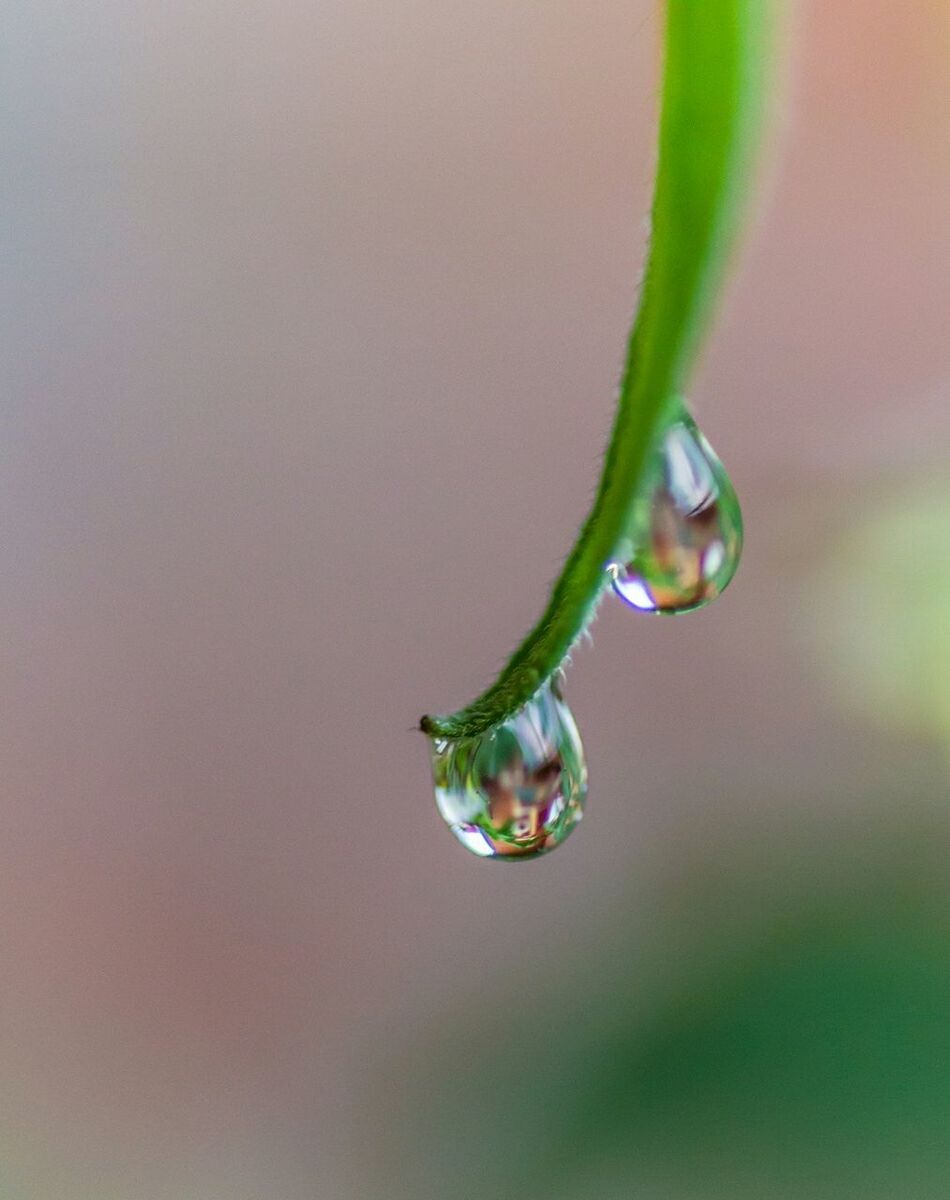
(519, 790)
(686, 535)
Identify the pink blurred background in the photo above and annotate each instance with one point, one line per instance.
(313, 316)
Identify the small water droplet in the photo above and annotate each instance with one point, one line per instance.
(687, 529)
(519, 790)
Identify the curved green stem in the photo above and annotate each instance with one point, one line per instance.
(714, 58)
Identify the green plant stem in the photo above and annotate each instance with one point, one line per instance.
(715, 52)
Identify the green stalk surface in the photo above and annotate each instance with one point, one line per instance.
(712, 100)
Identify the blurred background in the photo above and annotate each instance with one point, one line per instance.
(312, 321)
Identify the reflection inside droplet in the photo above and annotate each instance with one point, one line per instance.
(519, 790)
(687, 529)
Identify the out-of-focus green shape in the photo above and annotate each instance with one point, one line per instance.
(784, 1036)
(879, 607)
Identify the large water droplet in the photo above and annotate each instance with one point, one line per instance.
(519, 790)
(686, 536)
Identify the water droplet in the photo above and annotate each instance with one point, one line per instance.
(686, 536)
(519, 790)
